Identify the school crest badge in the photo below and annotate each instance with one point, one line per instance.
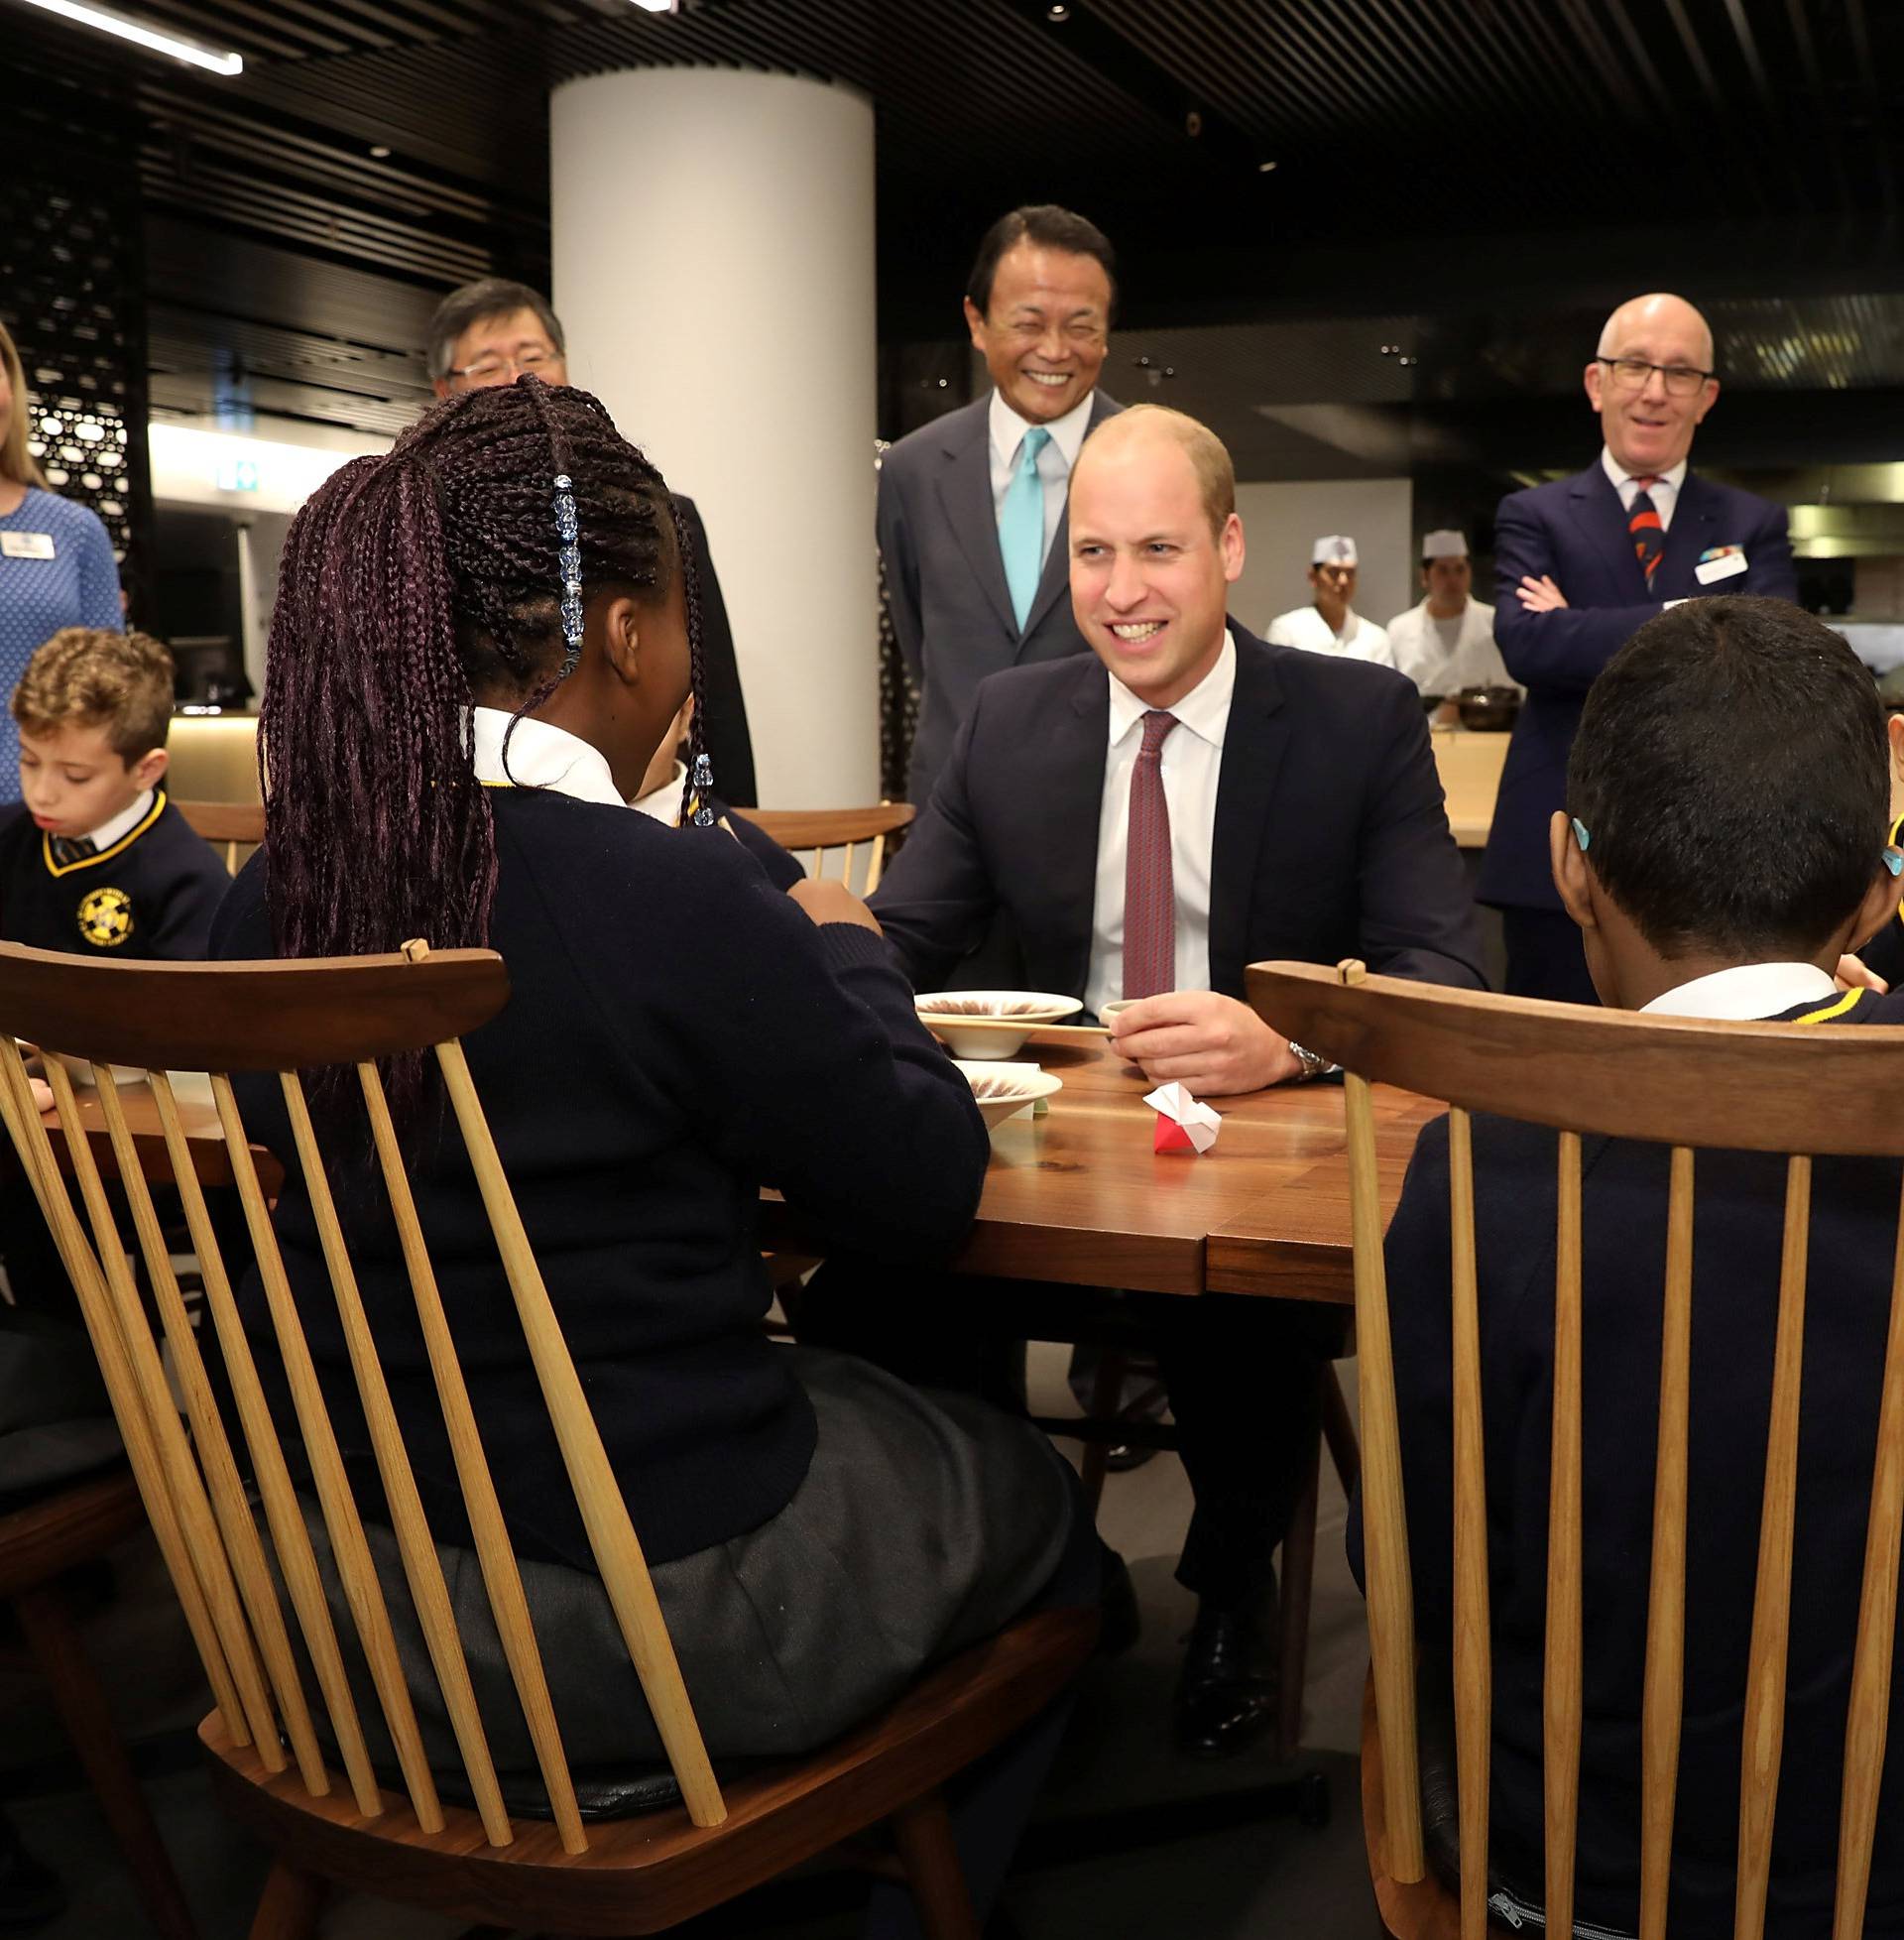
(106, 918)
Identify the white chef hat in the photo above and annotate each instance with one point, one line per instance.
(1333, 548)
(1444, 544)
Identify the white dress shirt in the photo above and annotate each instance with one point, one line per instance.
(123, 823)
(1664, 492)
(1191, 762)
(1359, 640)
(1059, 454)
(1745, 991)
(539, 757)
(664, 805)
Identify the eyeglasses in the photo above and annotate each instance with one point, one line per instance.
(486, 370)
(1086, 335)
(1631, 374)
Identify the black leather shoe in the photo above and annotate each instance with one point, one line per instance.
(1227, 1695)
(1119, 1623)
(1123, 1456)
(31, 1895)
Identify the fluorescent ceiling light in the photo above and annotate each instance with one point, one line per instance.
(145, 37)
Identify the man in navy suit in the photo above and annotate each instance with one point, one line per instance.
(972, 506)
(1152, 817)
(1579, 566)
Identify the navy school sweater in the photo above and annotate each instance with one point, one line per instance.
(1738, 1216)
(151, 894)
(677, 1035)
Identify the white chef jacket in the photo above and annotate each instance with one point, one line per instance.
(1304, 627)
(1415, 637)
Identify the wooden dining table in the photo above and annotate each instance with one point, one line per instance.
(197, 1115)
(1079, 1195)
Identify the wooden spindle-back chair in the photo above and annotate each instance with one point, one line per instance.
(269, 1763)
(237, 827)
(1780, 1088)
(812, 833)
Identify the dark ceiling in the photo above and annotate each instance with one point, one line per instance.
(1476, 178)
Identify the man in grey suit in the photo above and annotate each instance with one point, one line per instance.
(972, 512)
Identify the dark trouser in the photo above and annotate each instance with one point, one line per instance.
(1545, 957)
(1243, 1375)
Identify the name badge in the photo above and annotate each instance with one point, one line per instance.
(26, 546)
(1724, 562)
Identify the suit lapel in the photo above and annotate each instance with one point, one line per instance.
(1056, 576)
(1690, 534)
(1602, 514)
(1253, 745)
(965, 493)
(1070, 785)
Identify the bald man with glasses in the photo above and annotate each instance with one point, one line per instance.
(1579, 566)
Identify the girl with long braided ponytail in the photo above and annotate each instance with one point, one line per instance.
(479, 643)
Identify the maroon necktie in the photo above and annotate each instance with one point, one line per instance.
(1149, 892)
(1649, 536)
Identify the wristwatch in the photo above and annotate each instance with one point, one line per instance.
(1314, 1064)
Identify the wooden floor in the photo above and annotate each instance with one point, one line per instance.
(1216, 1876)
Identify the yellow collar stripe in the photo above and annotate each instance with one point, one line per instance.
(1835, 1009)
(125, 841)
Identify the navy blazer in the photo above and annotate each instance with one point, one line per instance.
(1331, 838)
(1575, 531)
(946, 577)
(1738, 1211)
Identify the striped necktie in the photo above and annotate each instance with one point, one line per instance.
(69, 849)
(1021, 525)
(1149, 884)
(1649, 536)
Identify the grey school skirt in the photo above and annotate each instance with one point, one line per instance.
(925, 1521)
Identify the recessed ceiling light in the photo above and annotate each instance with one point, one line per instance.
(380, 153)
(1058, 12)
(658, 6)
(1265, 167)
(145, 37)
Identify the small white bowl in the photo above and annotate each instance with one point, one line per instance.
(991, 1022)
(1002, 1094)
(1106, 1012)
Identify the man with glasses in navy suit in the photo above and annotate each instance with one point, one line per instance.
(1579, 566)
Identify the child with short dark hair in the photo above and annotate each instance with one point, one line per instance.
(95, 858)
(1724, 844)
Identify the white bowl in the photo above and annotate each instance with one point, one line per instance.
(1003, 1093)
(1106, 1012)
(991, 1022)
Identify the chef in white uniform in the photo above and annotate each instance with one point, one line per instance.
(1447, 642)
(1331, 624)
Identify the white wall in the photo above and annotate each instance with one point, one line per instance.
(1283, 521)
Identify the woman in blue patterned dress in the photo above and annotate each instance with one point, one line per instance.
(55, 561)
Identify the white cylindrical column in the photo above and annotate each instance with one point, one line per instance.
(713, 271)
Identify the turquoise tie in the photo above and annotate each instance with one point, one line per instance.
(1022, 526)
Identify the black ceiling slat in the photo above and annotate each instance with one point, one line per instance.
(1695, 54)
(1373, 108)
(1285, 58)
(1748, 50)
(1622, 89)
(1866, 69)
(1641, 56)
